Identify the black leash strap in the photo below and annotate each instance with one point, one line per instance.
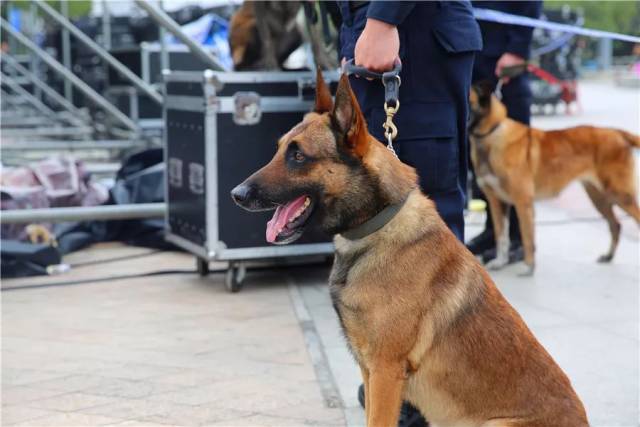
(390, 79)
(391, 82)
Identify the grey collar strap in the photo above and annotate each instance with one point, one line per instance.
(374, 224)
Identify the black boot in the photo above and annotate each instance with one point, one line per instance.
(516, 253)
(482, 242)
(409, 416)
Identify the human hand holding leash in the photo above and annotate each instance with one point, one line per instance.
(507, 60)
(378, 46)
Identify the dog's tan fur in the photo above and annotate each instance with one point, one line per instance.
(423, 319)
(516, 164)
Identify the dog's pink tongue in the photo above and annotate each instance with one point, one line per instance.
(281, 217)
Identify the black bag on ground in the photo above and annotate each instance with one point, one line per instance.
(20, 259)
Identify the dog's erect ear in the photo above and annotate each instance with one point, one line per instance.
(324, 102)
(348, 119)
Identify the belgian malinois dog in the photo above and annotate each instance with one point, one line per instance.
(421, 316)
(516, 164)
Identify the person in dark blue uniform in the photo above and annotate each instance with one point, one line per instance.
(435, 42)
(504, 46)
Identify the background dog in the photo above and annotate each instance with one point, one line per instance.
(263, 34)
(515, 164)
(422, 318)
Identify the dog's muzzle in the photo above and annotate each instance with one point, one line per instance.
(248, 196)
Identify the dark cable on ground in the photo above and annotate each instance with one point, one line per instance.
(131, 276)
(114, 259)
(102, 279)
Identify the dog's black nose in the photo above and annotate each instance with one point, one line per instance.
(241, 193)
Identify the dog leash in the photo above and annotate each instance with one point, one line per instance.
(509, 73)
(391, 82)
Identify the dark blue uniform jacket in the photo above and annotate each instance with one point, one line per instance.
(500, 38)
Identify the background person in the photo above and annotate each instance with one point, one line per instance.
(504, 46)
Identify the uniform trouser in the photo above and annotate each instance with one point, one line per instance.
(437, 150)
(517, 97)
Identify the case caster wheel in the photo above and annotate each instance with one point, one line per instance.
(202, 265)
(234, 277)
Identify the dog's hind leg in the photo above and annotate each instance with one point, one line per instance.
(367, 390)
(629, 204)
(386, 386)
(605, 207)
(500, 221)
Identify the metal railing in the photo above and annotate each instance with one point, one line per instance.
(67, 74)
(71, 83)
(102, 53)
(105, 212)
(172, 26)
(46, 89)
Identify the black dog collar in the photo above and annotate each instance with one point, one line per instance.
(374, 224)
(484, 135)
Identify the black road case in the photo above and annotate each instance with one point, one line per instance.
(145, 61)
(219, 128)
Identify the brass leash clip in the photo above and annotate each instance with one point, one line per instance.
(390, 129)
(391, 82)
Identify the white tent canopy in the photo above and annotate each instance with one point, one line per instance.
(128, 7)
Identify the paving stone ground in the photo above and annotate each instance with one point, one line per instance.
(164, 350)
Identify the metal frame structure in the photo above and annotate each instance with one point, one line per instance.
(101, 52)
(62, 67)
(133, 211)
(172, 26)
(62, 70)
(28, 97)
(52, 94)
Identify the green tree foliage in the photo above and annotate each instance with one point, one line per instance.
(616, 16)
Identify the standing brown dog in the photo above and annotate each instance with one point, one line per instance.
(422, 318)
(516, 164)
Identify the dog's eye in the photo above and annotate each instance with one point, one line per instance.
(298, 156)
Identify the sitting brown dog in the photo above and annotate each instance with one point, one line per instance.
(422, 317)
(515, 165)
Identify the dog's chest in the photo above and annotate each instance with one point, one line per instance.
(493, 182)
(349, 303)
(485, 175)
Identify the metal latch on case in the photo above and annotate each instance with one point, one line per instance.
(247, 108)
(307, 89)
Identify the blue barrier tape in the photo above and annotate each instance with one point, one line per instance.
(507, 18)
(553, 45)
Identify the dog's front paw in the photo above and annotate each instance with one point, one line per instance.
(526, 270)
(497, 263)
(603, 259)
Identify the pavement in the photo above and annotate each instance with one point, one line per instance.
(178, 349)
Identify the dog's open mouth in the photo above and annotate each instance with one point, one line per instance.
(289, 220)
